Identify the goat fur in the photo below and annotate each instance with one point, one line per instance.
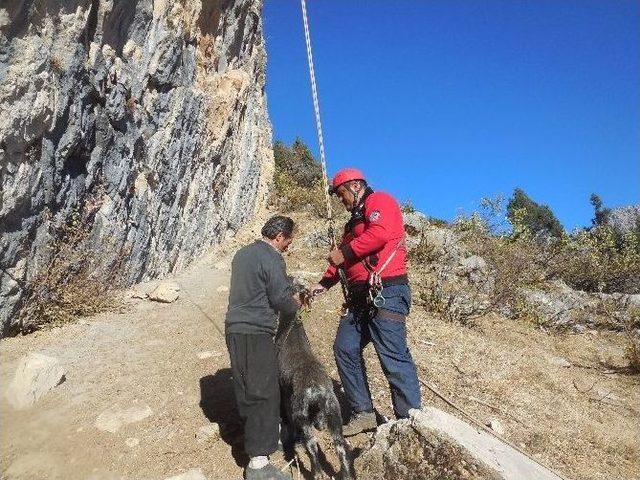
(307, 395)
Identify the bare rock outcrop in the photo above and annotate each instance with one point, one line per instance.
(147, 120)
(435, 445)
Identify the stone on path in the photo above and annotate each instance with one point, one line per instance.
(208, 432)
(496, 426)
(560, 362)
(222, 289)
(115, 417)
(36, 375)
(193, 474)
(207, 354)
(166, 292)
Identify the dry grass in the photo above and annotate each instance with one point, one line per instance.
(75, 279)
(581, 420)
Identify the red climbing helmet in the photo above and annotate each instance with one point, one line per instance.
(343, 176)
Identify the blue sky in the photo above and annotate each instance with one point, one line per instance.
(444, 102)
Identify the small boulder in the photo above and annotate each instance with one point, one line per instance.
(36, 375)
(210, 432)
(166, 292)
(414, 222)
(560, 362)
(138, 294)
(207, 354)
(318, 239)
(115, 417)
(496, 426)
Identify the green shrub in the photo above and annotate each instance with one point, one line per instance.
(525, 214)
(599, 260)
(298, 180)
(600, 213)
(517, 260)
(297, 163)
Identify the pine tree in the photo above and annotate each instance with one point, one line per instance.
(525, 213)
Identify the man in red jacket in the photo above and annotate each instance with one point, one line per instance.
(372, 256)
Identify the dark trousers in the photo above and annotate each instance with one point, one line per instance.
(386, 329)
(254, 367)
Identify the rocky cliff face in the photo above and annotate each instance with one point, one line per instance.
(147, 119)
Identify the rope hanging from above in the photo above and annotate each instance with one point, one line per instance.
(323, 161)
(316, 108)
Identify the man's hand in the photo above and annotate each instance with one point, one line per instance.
(336, 257)
(317, 289)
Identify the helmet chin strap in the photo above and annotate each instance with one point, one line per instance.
(356, 197)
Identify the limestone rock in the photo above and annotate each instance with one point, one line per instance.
(414, 222)
(560, 362)
(193, 474)
(208, 432)
(166, 292)
(433, 445)
(560, 306)
(496, 426)
(115, 417)
(318, 239)
(36, 375)
(147, 119)
(207, 354)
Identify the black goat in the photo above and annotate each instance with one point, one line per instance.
(307, 395)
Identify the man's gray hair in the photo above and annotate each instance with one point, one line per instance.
(278, 224)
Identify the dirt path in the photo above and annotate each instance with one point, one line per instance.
(149, 355)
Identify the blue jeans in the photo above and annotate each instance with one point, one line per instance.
(389, 338)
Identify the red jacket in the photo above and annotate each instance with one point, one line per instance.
(375, 230)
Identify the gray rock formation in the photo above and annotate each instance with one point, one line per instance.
(560, 306)
(624, 219)
(436, 445)
(146, 119)
(457, 284)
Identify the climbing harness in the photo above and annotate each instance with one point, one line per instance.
(375, 277)
(323, 162)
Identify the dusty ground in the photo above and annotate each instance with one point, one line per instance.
(582, 420)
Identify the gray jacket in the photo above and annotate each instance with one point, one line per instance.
(259, 290)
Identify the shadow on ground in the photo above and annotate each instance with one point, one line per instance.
(218, 403)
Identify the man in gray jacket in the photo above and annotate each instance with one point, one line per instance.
(259, 292)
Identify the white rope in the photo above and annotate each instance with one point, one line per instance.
(316, 107)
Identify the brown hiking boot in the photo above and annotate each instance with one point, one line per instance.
(360, 422)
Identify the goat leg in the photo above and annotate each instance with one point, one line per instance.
(335, 428)
(311, 444)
